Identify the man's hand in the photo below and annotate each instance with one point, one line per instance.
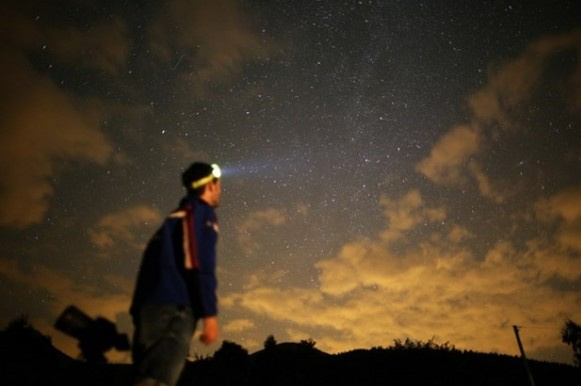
(210, 333)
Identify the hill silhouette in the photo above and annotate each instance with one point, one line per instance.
(28, 358)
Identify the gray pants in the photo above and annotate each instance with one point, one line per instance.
(161, 343)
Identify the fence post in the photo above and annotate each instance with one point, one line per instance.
(523, 356)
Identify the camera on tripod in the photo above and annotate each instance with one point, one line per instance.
(95, 336)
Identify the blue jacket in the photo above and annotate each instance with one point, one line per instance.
(179, 262)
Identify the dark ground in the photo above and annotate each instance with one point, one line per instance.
(28, 358)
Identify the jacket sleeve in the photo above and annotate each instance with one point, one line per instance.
(206, 230)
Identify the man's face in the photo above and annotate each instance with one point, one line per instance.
(213, 193)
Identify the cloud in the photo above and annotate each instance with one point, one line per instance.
(104, 46)
(120, 227)
(484, 183)
(458, 234)
(370, 293)
(254, 224)
(238, 325)
(65, 290)
(450, 154)
(565, 207)
(565, 204)
(218, 34)
(181, 149)
(407, 212)
(499, 111)
(43, 128)
(513, 85)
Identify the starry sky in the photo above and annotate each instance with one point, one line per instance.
(392, 169)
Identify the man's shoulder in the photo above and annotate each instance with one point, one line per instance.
(178, 213)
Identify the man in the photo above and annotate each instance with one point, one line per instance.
(176, 284)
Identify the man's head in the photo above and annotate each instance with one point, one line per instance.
(203, 180)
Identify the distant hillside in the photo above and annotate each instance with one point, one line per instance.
(28, 358)
(405, 365)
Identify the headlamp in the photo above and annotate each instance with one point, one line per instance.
(215, 174)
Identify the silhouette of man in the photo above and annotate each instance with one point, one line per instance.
(176, 283)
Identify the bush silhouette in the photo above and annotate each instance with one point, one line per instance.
(571, 335)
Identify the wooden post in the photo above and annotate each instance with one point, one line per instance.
(523, 356)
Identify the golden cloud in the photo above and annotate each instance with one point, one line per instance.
(238, 325)
(565, 207)
(484, 184)
(407, 212)
(513, 85)
(449, 155)
(369, 295)
(458, 233)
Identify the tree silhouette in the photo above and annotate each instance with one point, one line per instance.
(270, 342)
(571, 335)
(411, 344)
(231, 352)
(27, 357)
(235, 359)
(20, 335)
(310, 343)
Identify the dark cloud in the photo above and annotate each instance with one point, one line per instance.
(213, 38)
(43, 129)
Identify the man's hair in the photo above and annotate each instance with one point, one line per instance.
(195, 172)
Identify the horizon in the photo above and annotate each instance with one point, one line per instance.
(115, 356)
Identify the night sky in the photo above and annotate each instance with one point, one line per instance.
(392, 169)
